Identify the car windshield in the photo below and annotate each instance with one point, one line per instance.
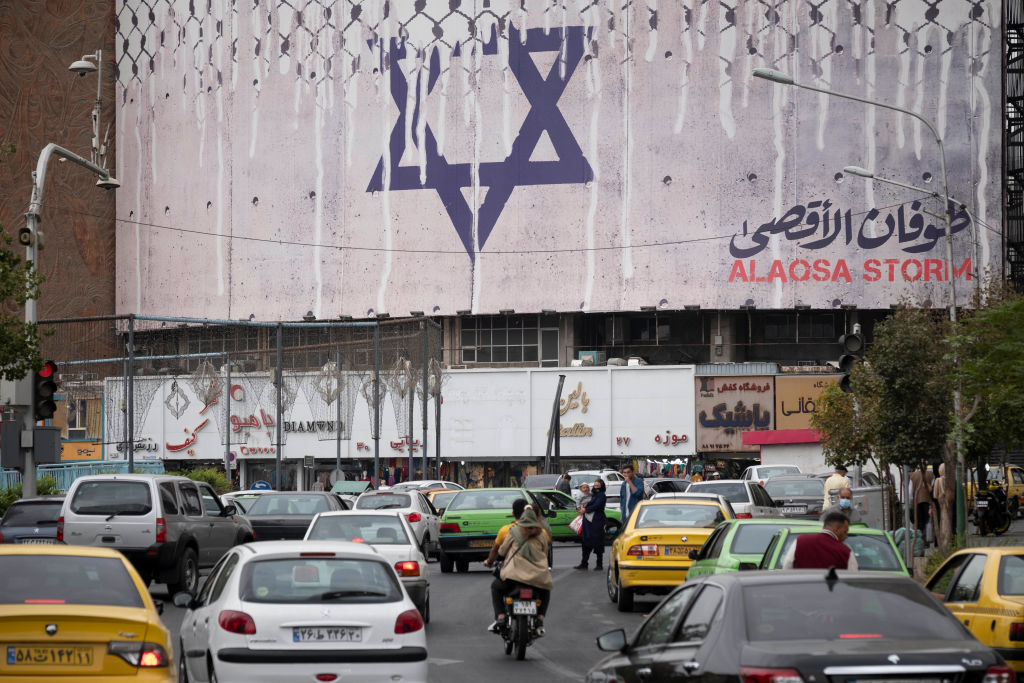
(441, 500)
(383, 501)
(1011, 575)
(873, 553)
(753, 539)
(776, 471)
(373, 529)
(846, 609)
(678, 515)
(793, 488)
(576, 479)
(318, 580)
(289, 504)
(485, 499)
(66, 579)
(734, 492)
(33, 514)
(112, 498)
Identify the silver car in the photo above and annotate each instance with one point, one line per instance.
(748, 498)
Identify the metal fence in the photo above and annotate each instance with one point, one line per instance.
(294, 403)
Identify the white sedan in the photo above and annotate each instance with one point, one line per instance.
(302, 610)
(390, 534)
(417, 510)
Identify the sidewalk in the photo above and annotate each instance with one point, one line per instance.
(1014, 536)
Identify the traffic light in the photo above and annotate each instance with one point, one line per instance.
(853, 352)
(44, 388)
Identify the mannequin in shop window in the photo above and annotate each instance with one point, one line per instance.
(323, 483)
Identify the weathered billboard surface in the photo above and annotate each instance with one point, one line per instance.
(355, 157)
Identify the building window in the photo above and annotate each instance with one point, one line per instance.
(780, 328)
(510, 339)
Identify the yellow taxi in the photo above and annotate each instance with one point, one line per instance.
(652, 554)
(78, 613)
(984, 588)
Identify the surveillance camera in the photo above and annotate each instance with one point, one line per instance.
(82, 67)
(108, 183)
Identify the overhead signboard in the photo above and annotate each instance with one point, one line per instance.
(729, 405)
(797, 397)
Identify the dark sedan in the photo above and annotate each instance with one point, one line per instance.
(285, 515)
(810, 626)
(31, 520)
(797, 495)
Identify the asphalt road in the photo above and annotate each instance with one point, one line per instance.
(460, 647)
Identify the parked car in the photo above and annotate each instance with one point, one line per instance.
(285, 515)
(79, 613)
(313, 606)
(168, 527)
(984, 588)
(738, 544)
(874, 549)
(762, 473)
(389, 533)
(791, 627)
(748, 498)
(665, 485)
(797, 495)
(31, 520)
(652, 554)
(417, 510)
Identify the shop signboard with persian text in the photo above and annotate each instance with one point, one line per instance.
(797, 398)
(729, 405)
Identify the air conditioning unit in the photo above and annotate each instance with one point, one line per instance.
(77, 434)
(592, 357)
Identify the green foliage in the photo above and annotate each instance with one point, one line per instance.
(211, 475)
(45, 486)
(940, 555)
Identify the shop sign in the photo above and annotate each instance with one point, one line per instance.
(797, 397)
(727, 406)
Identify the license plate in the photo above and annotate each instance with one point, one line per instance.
(49, 655)
(683, 550)
(481, 543)
(325, 634)
(524, 607)
(794, 509)
(981, 504)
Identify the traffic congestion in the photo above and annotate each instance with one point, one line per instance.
(156, 577)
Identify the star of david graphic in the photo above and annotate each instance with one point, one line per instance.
(517, 170)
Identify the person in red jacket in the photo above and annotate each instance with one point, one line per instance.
(824, 550)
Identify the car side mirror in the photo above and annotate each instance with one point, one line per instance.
(693, 554)
(747, 566)
(550, 513)
(613, 641)
(184, 599)
(230, 510)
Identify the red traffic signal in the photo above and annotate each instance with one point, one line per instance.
(44, 388)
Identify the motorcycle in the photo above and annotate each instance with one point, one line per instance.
(991, 513)
(521, 622)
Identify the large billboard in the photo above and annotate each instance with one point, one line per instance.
(439, 156)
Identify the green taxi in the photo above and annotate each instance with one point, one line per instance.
(471, 523)
(874, 549)
(739, 544)
(564, 510)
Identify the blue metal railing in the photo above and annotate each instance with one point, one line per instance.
(66, 474)
(9, 478)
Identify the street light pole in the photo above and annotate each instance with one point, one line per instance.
(784, 79)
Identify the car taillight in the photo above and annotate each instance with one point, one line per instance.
(236, 622)
(1, 538)
(408, 622)
(413, 517)
(140, 654)
(642, 550)
(449, 528)
(161, 530)
(60, 529)
(327, 677)
(1016, 631)
(751, 674)
(999, 674)
(744, 515)
(408, 568)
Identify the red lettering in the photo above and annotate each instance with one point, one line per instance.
(841, 271)
(737, 271)
(871, 271)
(892, 263)
(965, 267)
(806, 272)
(776, 271)
(933, 266)
(821, 270)
(904, 271)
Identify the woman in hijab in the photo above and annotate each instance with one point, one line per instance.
(592, 534)
(525, 550)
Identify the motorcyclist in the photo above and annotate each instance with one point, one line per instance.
(525, 550)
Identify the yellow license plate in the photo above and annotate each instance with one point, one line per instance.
(683, 550)
(49, 655)
(481, 543)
